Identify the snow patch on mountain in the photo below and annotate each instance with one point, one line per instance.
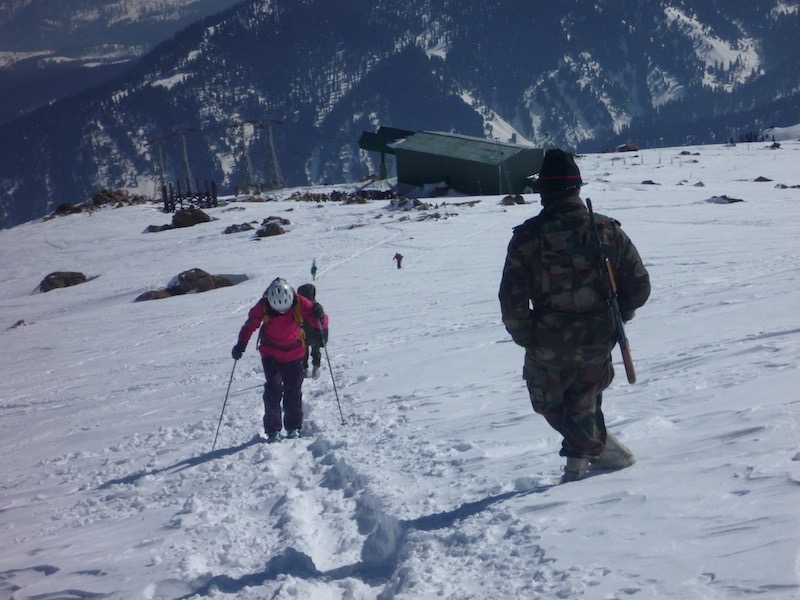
(171, 82)
(663, 86)
(440, 49)
(742, 56)
(494, 126)
(8, 59)
(435, 39)
(592, 77)
(785, 8)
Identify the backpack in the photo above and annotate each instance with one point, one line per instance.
(573, 321)
(570, 278)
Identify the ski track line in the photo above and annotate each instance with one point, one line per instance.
(341, 261)
(417, 257)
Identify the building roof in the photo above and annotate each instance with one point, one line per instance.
(380, 140)
(458, 146)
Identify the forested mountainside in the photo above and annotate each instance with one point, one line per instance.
(583, 76)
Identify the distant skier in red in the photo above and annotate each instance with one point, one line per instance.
(399, 258)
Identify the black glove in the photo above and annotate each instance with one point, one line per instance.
(524, 332)
(238, 350)
(317, 312)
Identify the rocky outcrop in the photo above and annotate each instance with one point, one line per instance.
(272, 226)
(185, 217)
(187, 282)
(61, 279)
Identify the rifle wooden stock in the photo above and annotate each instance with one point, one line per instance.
(627, 359)
(610, 284)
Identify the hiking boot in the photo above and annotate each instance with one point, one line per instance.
(315, 372)
(575, 469)
(273, 437)
(615, 455)
(293, 434)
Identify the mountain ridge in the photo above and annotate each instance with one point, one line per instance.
(583, 78)
(51, 50)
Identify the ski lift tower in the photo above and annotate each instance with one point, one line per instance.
(275, 181)
(160, 155)
(248, 168)
(187, 173)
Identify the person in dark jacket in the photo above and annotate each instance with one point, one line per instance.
(279, 315)
(316, 333)
(553, 304)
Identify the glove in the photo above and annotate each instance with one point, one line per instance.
(238, 350)
(523, 332)
(317, 312)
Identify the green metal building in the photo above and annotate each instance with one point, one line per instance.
(470, 165)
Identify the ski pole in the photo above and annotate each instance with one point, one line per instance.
(333, 380)
(214, 445)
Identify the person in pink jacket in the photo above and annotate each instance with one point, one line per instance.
(281, 344)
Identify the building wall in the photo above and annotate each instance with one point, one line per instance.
(521, 166)
(469, 177)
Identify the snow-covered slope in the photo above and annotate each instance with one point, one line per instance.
(779, 134)
(440, 484)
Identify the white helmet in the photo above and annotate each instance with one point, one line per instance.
(280, 295)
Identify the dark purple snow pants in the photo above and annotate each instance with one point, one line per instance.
(284, 383)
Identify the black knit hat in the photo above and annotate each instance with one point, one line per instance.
(308, 290)
(559, 173)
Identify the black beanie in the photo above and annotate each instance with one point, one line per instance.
(559, 173)
(308, 290)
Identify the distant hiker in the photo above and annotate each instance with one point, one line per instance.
(280, 314)
(399, 258)
(316, 333)
(314, 270)
(553, 304)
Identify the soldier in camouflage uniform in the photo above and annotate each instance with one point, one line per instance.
(553, 304)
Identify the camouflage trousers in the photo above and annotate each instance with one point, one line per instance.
(570, 398)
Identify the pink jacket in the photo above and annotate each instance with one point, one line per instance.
(280, 337)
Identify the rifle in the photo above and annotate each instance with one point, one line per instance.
(610, 287)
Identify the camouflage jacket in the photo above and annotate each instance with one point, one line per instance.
(552, 297)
